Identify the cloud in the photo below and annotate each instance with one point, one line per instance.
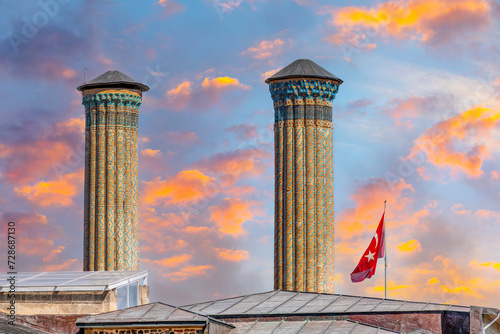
(56, 192)
(170, 7)
(234, 165)
(235, 255)
(265, 49)
(244, 131)
(410, 246)
(41, 151)
(200, 96)
(170, 262)
(66, 265)
(189, 272)
(411, 107)
(368, 200)
(455, 142)
(227, 6)
(185, 186)
(459, 210)
(222, 83)
(269, 74)
(180, 96)
(181, 138)
(431, 22)
(231, 214)
(147, 152)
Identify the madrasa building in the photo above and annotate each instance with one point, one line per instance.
(111, 294)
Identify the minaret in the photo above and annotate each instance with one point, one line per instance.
(111, 231)
(303, 94)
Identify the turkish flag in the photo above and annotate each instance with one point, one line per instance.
(368, 263)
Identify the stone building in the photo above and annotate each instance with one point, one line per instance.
(75, 293)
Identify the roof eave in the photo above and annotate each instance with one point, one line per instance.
(118, 84)
(268, 80)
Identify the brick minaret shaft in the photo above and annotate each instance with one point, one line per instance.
(303, 93)
(111, 229)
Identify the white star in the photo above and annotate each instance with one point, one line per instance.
(369, 256)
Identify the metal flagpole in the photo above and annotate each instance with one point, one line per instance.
(385, 255)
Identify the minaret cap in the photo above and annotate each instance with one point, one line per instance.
(303, 68)
(113, 79)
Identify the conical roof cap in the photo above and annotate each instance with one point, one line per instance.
(303, 68)
(113, 79)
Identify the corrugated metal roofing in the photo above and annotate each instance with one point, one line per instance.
(112, 78)
(17, 328)
(307, 327)
(303, 68)
(71, 280)
(155, 313)
(293, 303)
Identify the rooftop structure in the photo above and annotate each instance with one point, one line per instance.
(80, 292)
(303, 68)
(112, 79)
(294, 313)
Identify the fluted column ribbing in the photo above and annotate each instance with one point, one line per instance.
(304, 184)
(111, 185)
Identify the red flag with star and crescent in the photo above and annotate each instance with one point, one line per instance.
(368, 263)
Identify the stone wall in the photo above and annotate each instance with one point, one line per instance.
(61, 302)
(156, 330)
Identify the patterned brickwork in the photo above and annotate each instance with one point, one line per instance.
(304, 220)
(111, 180)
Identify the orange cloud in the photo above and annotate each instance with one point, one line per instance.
(429, 21)
(179, 96)
(270, 73)
(438, 142)
(201, 96)
(58, 149)
(195, 229)
(222, 83)
(151, 153)
(67, 265)
(236, 164)
(369, 200)
(53, 254)
(170, 262)
(235, 255)
(188, 272)
(231, 214)
(185, 186)
(265, 49)
(56, 192)
(487, 214)
(410, 246)
(459, 210)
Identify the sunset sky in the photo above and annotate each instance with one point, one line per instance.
(416, 122)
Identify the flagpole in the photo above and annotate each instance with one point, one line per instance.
(385, 254)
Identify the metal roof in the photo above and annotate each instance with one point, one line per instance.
(113, 79)
(307, 327)
(18, 328)
(296, 303)
(71, 280)
(303, 68)
(153, 313)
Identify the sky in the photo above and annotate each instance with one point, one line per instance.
(416, 123)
